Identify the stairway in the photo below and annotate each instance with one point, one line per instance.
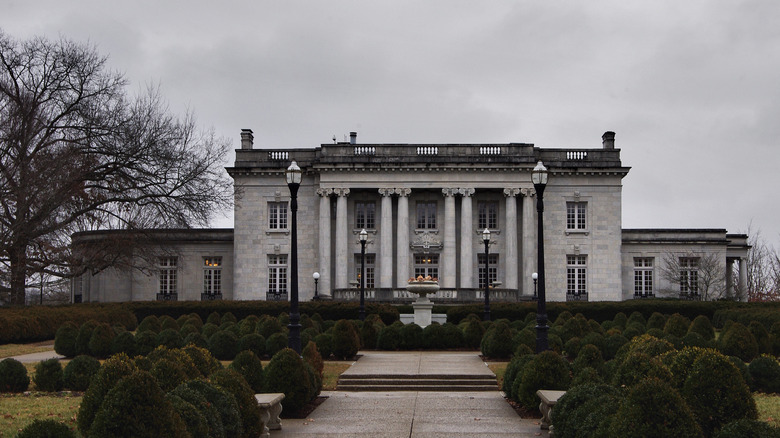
(417, 382)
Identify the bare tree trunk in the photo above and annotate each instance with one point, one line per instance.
(18, 259)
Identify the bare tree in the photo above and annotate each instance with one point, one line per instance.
(701, 275)
(763, 269)
(78, 153)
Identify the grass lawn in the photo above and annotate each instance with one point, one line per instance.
(8, 350)
(499, 368)
(768, 408)
(19, 410)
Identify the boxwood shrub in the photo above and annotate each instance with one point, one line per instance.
(13, 376)
(653, 408)
(48, 428)
(48, 376)
(286, 373)
(547, 370)
(79, 372)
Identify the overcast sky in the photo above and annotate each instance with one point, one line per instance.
(692, 88)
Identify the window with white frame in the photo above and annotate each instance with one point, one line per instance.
(168, 272)
(370, 270)
(365, 215)
(426, 215)
(576, 215)
(492, 271)
(576, 275)
(277, 274)
(426, 264)
(643, 276)
(487, 215)
(277, 215)
(689, 275)
(212, 275)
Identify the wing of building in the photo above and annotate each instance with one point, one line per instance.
(425, 208)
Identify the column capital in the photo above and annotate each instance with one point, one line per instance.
(528, 192)
(449, 192)
(403, 192)
(324, 192)
(386, 192)
(466, 192)
(341, 192)
(511, 192)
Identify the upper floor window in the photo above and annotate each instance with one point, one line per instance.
(426, 215)
(643, 276)
(365, 215)
(168, 269)
(487, 215)
(212, 275)
(689, 275)
(277, 215)
(576, 215)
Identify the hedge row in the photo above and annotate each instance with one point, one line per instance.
(40, 323)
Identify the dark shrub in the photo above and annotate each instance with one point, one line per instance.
(453, 336)
(679, 363)
(170, 338)
(167, 322)
(151, 322)
(693, 339)
(738, 341)
(203, 360)
(654, 409)
(168, 374)
(137, 407)
(761, 335)
(13, 376)
(228, 317)
(389, 338)
(590, 356)
(123, 343)
(48, 428)
(249, 324)
(231, 327)
(223, 345)
(194, 421)
(585, 411)
(574, 328)
(646, 344)
(656, 333)
(547, 370)
(526, 337)
(612, 344)
(345, 340)
(197, 340)
(716, 393)
(112, 371)
(269, 326)
(656, 321)
(620, 320)
(497, 342)
(249, 365)
(412, 336)
(48, 376)
(224, 402)
(206, 410)
(324, 343)
(522, 350)
(254, 342)
(572, 347)
(513, 369)
(79, 371)
(765, 372)
(214, 318)
(285, 373)
(633, 330)
(746, 428)
(473, 330)
(187, 329)
(702, 326)
(145, 342)
(275, 343)
(234, 383)
(677, 325)
(209, 329)
(636, 318)
(85, 333)
(178, 356)
(314, 358)
(586, 375)
(434, 337)
(637, 367)
(65, 340)
(743, 369)
(368, 334)
(593, 339)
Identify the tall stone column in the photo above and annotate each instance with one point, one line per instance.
(402, 238)
(730, 289)
(529, 240)
(386, 240)
(511, 259)
(342, 243)
(466, 239)
(325, 282)
(447, 271)
(743, 277)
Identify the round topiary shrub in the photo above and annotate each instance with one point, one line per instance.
(275, 343)
(314, 358)
(473, 330)
(145, 342)
(203, 360)
(253, 342)
(224, 402)
(547, 370)
(48, 376)
(65, 339)
(168, 374)
(205, 410)
(656, 321)
(48, 428)
(693, 339)
(620, 320)
(197, 340)
(249, 365)
(612, 344)
(592, 338)
(525, 337)
(434, 337)
(702, 326)
(654, 409)
(368, 334)
(149, 323)
(137, 407)
(590, 356)
(497, 342)
(513, 369)
(249, 324)
(234, 383)
(112, 371)
(679, 363)
(738, 341)
(85, 334)
(228, 317)
(389, 338)
(170, 338)
(123, 343)
(269, 326)
(13, 376)
(585, 410)
(453, 336)
(637, 318)
(209, 329)
(716, 392)
(285, 373)
(223, 345)
(586, 375)
(746, 428)
(167, 322)
(646, 344)
(79, 372)
(761, 334)
(677, 325)
(765, 372)
(324, 343)
(214, 318)
(187, 329)
(411, 336)
(194, 421)
(637, 367)
(346, 341)
(572, 347)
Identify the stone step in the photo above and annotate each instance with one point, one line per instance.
(417, 382)
(434, 388)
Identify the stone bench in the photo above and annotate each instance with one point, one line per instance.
(270, 408)
(549, 398)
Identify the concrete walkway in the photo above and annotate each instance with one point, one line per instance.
(37, 357)
(412, 414)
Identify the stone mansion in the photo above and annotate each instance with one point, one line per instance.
(424, 207)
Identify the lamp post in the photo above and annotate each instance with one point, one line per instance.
(535, 277)
(539, 178)
(363, 239)
(486, 239)
(316, 276)
(294, 175)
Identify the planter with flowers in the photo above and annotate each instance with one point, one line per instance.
(422, 286)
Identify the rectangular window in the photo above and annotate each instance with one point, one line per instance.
(168, 270)
(277, 215)
(689, 275)
(365, 213)
(576, 276)
(370, 269)
(576, 215)
(426, 215)
(643, 276)
(426, 264)
(212, 275)
(277, 277)
(492, 273)
(488, 215)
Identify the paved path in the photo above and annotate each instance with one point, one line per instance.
(412, 414)
(37, 357)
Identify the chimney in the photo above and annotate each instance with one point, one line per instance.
(247, 139)
(608, 140)
(353, 137)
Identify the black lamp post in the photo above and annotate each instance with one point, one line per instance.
(363, 239)
(535, 277)
(294, 175)
(539, 178)
(316, 276)
(486, 239)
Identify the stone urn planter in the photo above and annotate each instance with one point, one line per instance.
(422, 306)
